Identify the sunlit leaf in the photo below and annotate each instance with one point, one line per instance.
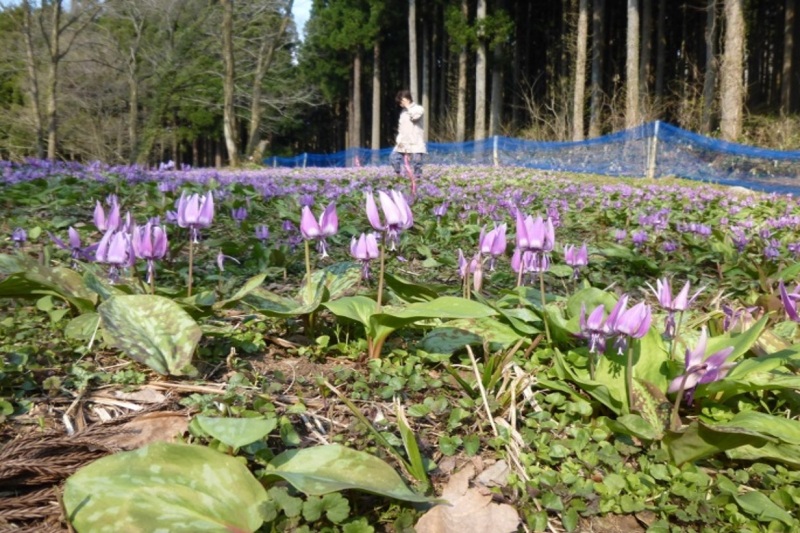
(237, 432)
(164, 487)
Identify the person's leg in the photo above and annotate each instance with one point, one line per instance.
(417, 159)
(396, 160)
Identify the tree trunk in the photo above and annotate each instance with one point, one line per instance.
(461, 104)
(230, 128)
(355, 136)
(496, 107)
(266, 54)
(480, 77)
(632, 66)
(52, 81)
(376, 97)
(731, 72)
(33, 80)
(579, 94)
(646, 48)
(661, 50)
(598, 51)
(426, 76)
(710, 77)
(788, 50)
(413, 81)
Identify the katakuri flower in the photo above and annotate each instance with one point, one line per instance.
(365, 249)
(195, 212)
(699, 370)
(149, 242)
(789, 300)
(493, 243)
(633, 323)
(396, 212)
(681, 302)
(593, 328)
(262, 232)
(576, 258)
(19, 236)
(327, 226)
(111, 222)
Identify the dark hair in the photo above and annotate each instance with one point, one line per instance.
(405, 93)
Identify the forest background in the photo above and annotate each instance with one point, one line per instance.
(214, 82)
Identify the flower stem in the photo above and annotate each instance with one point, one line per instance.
(191, 264)
(379, 297)
(308, 262)
(675, 422)
(675, 337)
(629, 375)
(544, 309)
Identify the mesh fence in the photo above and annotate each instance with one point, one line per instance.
(653, 150)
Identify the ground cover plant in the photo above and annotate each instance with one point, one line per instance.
(547, 351)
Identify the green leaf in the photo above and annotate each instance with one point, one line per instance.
(411, 447)
(634, 425)
(331, 468)
(36, 280)
(760, 507)
(408, 291)
(249, 286)
(164, 487)
(152, 330)
(358, 308)
(455, 334)
(699, 440)
(338, 278)
(237, 432)
(82, 327)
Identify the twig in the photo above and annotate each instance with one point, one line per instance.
(483, 390)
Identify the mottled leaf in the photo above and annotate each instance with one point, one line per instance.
(82, 327)
(324, 469)
(152, 330)
(249, 286)
(237, 432)
(164, 487)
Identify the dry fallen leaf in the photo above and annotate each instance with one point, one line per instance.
(150, 427)
(469, 510)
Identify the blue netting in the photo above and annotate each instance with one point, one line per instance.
(655, 149)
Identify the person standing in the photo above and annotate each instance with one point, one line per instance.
(410, 147)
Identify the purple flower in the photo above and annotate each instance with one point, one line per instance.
(239, 214)
(576, 258)
(493, 243)
(789, 300)
(19, 236)
(116, 250)
(639, 238)
(104, 224)
(396, 212)
(680, 303)
(699, 371)
(149, 243)
(620, 235)
(365, 249)
(195, 212)
(536, 235)
(327, 226)
(74, 245)
(262, 232)
(593, 328)
(440, 210)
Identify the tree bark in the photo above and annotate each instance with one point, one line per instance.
(710, 77)
(230, 128)
(788, 50)
(731, 72)
(376, 97)
(266, 54)
(33, 80)
(661, 50)
(646, 48)
(598, 51)
(579, 94)
(426, 76)
(496, 105)
(413, 81)
(52, 80)
(632, 115)
(461, 104)
(480, 77)
(355, 135)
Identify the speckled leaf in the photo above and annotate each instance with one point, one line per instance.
(82, 327)
(408, 291)
(455, 334)
(249, 286)
(324, 469)
(338, 278)
(64, 282)
(165, 487)
(237, 432)
(152, 330)
(651, 403)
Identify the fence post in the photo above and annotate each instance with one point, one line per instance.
(495, 158)
(651, 157)
(305, 159)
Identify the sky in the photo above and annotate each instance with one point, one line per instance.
(301, 9)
